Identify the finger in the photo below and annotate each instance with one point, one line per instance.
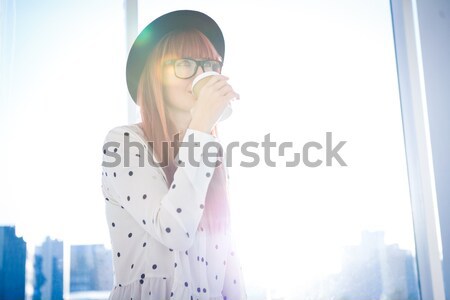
(230, 95)
(225, 89)
(218, 89)
(219, 85)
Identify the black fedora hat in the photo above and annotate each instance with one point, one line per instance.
(157, 29)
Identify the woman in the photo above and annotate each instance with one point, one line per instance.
(169, 221)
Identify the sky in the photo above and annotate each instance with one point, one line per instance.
(302, 69)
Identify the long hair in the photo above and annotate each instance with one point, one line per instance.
(159, 129)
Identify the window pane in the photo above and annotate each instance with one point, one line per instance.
(66, 88)
(308, 71)
(342, 232)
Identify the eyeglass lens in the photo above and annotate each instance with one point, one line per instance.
(185, 68)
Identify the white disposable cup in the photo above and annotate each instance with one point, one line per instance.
(198, 83)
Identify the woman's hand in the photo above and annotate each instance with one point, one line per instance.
(211, 103)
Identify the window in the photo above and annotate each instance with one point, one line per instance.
(321, 74)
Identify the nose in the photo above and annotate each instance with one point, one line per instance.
(199, 71)
(191, 79)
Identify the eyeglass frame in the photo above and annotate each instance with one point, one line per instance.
(198, 63)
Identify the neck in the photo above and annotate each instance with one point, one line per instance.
(181, 119)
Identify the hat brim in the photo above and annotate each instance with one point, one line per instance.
(157, 29)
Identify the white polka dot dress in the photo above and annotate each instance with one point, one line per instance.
(159, 250)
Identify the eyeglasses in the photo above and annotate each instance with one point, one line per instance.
(185, 68)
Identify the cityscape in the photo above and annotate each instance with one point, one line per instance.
(370, 270)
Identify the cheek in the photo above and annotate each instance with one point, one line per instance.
(175, 90)
(172, 88)
(169, 87)
(175, 94)
(171, 82)
(167, 78)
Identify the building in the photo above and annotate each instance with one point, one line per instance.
(13, 255)
(376, 271)
(90, 268)
(48, 266)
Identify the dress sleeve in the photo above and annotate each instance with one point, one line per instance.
(169, 214)
(234, 284)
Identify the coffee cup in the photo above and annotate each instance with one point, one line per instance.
(199, 82)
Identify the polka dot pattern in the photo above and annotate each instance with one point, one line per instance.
(151, 253)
